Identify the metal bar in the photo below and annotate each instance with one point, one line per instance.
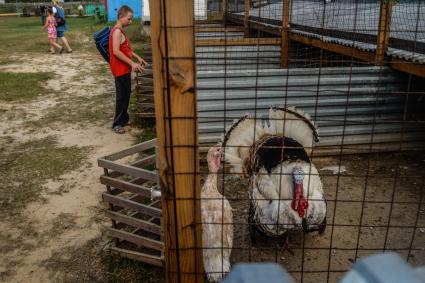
(141, 224)
(154, 260)
(133, 205)
(136, 239)
(126, 169)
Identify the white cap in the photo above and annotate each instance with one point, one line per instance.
(54, 10)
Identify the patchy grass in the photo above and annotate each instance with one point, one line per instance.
(5, 61)
(22, 34)
(91, 263)
(145, 135)
(26, 166)
(126, 270)
(77, 110)
(18, 86)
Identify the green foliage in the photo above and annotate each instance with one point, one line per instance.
(146, 135)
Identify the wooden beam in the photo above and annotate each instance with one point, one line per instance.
(136, 239)
(154, 260)
(173, 49)
(131, 204)
(138, 148)
(334, 47)
(284, 47)
(126, 169)
(126, 186)
(237, 41)
(408, 67)
(135, 222)
(256, 25)
(219, 29)
(225, 12)
(139, 163)
(383, 31)
(246, 18)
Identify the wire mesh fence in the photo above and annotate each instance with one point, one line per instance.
(312, 166)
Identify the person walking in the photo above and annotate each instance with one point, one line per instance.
(61, 24)
(122, 65)
(43, 14)
(50, 25)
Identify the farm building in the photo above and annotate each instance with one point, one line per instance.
(335, 86)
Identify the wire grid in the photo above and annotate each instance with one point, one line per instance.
(408, 29)
(370, 157)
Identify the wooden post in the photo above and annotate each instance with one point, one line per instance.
(246, 18)
(284, 48)
(383, 30)
(173, 46)
(225, 11)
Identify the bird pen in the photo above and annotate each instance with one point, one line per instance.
(290, 132)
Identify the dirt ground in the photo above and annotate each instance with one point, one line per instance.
(375, 204)
(57, 237)
(382, 211)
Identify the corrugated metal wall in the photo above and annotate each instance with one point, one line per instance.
(362, 104)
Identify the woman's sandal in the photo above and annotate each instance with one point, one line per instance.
(118, 130)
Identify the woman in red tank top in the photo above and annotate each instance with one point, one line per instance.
(122, 65)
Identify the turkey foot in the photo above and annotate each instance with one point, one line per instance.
(284, 244)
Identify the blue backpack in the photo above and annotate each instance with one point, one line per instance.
(101, 39)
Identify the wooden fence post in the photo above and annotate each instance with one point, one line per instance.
(246, 18)
(225, 11)
(284, 48)
(173, 47)
(384, 30)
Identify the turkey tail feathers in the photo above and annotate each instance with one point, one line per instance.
(238, 141)
(294, 124)
(246, 133)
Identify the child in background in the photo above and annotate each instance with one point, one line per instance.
(50, 25)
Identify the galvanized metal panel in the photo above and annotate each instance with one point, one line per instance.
(357, 105)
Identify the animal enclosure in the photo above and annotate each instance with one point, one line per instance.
(313, 113)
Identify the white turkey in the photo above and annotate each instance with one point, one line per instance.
(285, 188)
(217, 222)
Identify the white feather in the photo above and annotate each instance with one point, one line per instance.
(271, 195)
(285, 123)
(272, 202)
(217, 230)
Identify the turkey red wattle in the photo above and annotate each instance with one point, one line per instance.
(299, 202)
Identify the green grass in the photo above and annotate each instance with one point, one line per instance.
(25, 35)
(90, 263)
(5, 61)
(24, 167)
(78, 110)
(145, 135)
(120, 269)
(18, 86)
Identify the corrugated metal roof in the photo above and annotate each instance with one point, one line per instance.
(408, 22)
(349, 15)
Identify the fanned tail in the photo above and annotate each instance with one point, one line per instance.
(245, 136)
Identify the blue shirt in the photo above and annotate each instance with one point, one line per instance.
(60, 13)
